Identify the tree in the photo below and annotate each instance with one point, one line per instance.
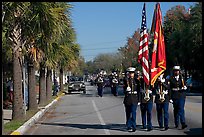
(46, 24)
(14, 14)
(183, 37)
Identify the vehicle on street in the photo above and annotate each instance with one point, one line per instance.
(76, 83)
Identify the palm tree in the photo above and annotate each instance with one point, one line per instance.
(45, 26)
(15, 12)
(57, 50)
(68, 53)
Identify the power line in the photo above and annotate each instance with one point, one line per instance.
(100, 48)
(102, 43)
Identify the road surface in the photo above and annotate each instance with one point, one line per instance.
(88, 114)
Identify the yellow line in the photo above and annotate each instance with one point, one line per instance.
(15, 133)
(60, 96)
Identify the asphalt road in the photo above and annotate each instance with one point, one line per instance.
(88, 114)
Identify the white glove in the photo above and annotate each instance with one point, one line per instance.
(149, 91)
(184, 87)
(138, 103)
(162, 80)
(128, 89)
(171, 101)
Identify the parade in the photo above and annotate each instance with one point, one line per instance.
(150, 86)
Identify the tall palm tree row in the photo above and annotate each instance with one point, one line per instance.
(42, 32)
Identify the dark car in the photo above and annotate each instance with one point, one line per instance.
(76, 83)
(194, 85)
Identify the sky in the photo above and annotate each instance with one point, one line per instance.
(103, 27)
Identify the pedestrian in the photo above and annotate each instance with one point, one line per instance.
(56, 87)
(10, 89)
(146, 103)
(162, 98)
(178, 97)
(131, 99)
(100, 84)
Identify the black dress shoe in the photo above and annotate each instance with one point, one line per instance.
(184, 126)
(149, 129)
(129, 129)
(134, 129)
(144, 127)
(166, 128)
(161, 127)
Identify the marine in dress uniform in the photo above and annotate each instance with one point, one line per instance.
(114, 84)
(146, 105)
(100, 85)
(131, 99)
(162, 98)
(178, 96)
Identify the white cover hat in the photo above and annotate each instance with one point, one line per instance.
(176, 68)
(131, 69)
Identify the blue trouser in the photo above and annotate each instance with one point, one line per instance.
(114, 90)
(163, 114)
(131, 116)
(56, 89)
(100, 91)
(146, 113)
(178, 105)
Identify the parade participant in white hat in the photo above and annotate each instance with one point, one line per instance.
(131, 99)
(178, 97)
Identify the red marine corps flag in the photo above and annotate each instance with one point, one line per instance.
(158, 54)
(143, 55)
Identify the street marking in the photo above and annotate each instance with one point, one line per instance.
(100, 117)
(15, 133)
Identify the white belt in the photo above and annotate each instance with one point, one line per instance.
(133, 92)
(176, 89)
(165, 92)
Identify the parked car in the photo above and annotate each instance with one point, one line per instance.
(194, 85)
(76, 83)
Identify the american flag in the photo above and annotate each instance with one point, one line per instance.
(143, 48)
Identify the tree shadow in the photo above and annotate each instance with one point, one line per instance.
(193, 94)
(194, 131)
(118, 127)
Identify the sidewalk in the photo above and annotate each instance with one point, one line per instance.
(7, 115)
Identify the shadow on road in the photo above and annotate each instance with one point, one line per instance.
(193, 94)
(119, 127)
(194, 131)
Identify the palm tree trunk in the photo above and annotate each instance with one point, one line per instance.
(32, 102)
(18, 110)
(42, 90)
(61, 80)
(48, 85)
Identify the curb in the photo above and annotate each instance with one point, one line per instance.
(22, 129)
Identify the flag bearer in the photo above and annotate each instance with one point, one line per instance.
(178, 96)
